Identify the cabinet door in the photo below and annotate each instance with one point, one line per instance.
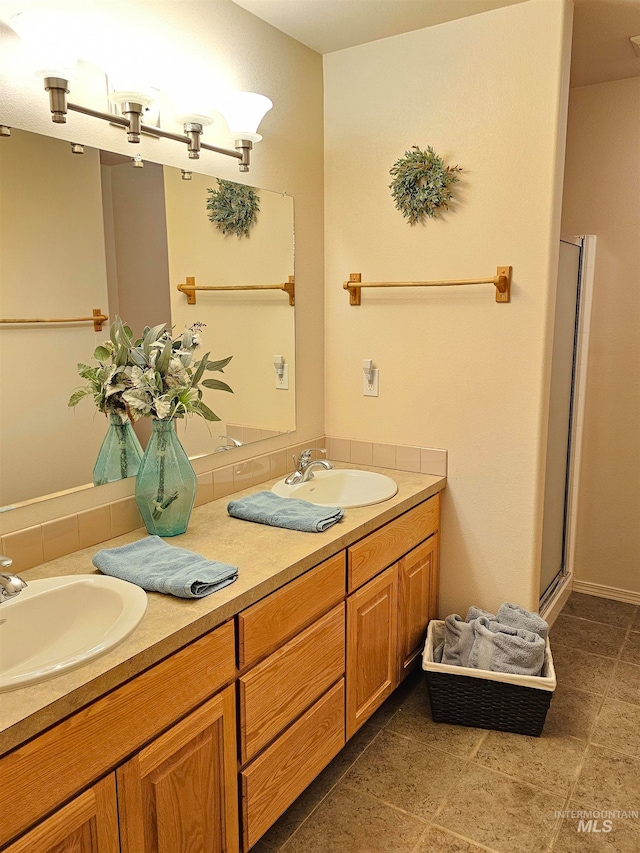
(371, 647)
(417, 602)
(179, 794)
(88, 824)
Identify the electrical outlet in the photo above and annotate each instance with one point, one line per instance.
(370, 389)
(282, 382)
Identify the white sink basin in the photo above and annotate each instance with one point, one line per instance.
(57, 624)
(343, 487)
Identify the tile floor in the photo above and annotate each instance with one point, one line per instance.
(404, 784)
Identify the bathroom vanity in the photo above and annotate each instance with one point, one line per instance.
(200, 729)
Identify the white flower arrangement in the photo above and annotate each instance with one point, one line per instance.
(155, 376)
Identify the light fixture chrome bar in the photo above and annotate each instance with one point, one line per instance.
(58, 91)
(87, 111)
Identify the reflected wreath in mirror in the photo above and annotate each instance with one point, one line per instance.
(233, 208)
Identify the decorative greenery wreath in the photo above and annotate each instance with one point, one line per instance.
(421, 183)
(233, 208)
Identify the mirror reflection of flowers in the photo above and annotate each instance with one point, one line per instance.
(155, 376)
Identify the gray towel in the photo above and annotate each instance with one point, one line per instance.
(473, 613)
(501, 648)
(518, 617)
(458, 641)
(292, 513)
(159, 567)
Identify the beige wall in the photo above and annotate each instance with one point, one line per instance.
(602, 197)
(457, 370)
(225, 41)
(49, 211)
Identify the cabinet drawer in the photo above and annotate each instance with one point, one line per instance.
(49, 769)
(269, 623)
(280, 688)
(386, 545)
(273, 781)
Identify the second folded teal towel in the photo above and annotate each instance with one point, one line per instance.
(159, 567)
(294, 514)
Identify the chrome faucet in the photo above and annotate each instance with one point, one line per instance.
(10, 585)
(233, 442)
(305, 465)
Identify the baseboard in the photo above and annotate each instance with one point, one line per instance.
(602, 591)
(552, 609)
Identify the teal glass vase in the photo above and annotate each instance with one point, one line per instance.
(166, 483)
(120, 454)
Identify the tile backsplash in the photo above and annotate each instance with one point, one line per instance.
(402, 457)
(43, 542)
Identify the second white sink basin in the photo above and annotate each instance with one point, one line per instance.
(57, 624)
(343, 487)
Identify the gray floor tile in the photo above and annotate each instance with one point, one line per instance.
(440, 841)
(350, 821)
(584, 671)
(549, 762)
(404, 773)
(572, 712)
(414, 720)
(587, 636)
(618, 727)
(605, 610)
(631, 649)
(502, 813)
(625, 684)
(608, 780)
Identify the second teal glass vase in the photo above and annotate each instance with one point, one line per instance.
(120, 454)
(166, 483)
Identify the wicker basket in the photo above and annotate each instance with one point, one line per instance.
(487, 700)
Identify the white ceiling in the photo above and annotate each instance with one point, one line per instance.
(602, 28)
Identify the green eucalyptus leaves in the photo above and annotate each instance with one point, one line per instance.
(233, 208)
(154, 376)
(421, 184)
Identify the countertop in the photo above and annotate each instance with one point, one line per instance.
(267, 557)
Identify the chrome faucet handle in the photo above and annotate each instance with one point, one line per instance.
(10, 585)
(305, 456)
(5, 562)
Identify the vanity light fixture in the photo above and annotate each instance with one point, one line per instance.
(50, 36)
(186, 175)
(5, 130)
(77, 148)
(138, 162)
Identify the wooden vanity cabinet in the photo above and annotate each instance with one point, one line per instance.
(88, 824)
(140, 718)
(392, 575)
(372, 614)
(418, 584)
(179, 793)
(202, 752)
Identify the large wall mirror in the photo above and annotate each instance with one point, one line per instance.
(91, 230)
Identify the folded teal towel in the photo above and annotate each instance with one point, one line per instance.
(294, 514)
(159, 567)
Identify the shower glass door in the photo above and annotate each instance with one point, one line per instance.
(563, 365)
